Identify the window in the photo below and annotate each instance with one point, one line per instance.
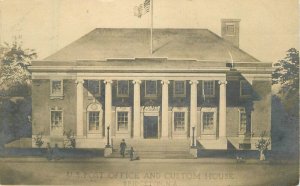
(56, 88)
(56, 119)
(208, 120)
(245, 88)
(208, 88)
(243, 122)
(123, 88)
(150, 88)
(179, 89)
(94, 120)
(94, 87)
(179, 121)
(122, 121)
(230, 29)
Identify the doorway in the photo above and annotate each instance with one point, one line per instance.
(151, 127)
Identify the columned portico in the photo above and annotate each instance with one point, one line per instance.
(222, 109)
(165, 108)
(79, 104)
(193, 109)
(108, 105)
(137, 109)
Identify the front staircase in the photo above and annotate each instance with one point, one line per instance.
(155, 148)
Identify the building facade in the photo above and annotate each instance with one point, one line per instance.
(194, 85)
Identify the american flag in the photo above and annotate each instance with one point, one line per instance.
(142, 8)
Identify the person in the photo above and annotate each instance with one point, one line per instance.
(56, 152)
(122, 148)
(133, 155)
(49, 151)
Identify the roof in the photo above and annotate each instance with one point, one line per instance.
(112, 43)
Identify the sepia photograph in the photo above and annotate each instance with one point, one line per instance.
(149, 92)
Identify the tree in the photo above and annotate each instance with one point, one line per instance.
(262, 145)
(14, 72)
(285, 106)
(15, 81)
(286, 75)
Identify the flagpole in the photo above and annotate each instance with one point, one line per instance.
(151, 29)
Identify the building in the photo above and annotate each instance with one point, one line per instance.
(194, 86)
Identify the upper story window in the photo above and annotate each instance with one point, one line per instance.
(123, 88)
(208, 88)
(230, 29)
(150, 88)
(179, 89)
(94, 87)
(245, 88)
(56, 88)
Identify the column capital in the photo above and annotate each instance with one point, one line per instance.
(222, 82)
(108, 81)
(79, 81)
(194, 82)
(165, 82)
(136, 81)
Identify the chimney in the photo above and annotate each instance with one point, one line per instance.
(230, 30)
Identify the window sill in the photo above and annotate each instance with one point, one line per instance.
(122, 132)
(208, 96)
(179, 132)
(121, 96)
(94, 132)
(56, 97)
(245, 96)
(179, 96)
(150, 96)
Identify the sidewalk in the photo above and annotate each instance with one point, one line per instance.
(119, 160)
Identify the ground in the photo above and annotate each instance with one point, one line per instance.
(146, 172)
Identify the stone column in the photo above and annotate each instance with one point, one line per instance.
(108, 103)
(222, 109)
(193, 109)
(165, 109)
(79, 108)
(137, 109)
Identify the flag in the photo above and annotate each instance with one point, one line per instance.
(142, 8)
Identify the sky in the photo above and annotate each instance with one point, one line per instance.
(268, 28)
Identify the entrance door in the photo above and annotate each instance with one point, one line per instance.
(150, 126)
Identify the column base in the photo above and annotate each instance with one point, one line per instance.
(194, 152)
(107, 151)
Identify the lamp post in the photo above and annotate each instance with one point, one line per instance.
(193, 143)
(108, 145)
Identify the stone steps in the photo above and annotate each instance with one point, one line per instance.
(155, 149)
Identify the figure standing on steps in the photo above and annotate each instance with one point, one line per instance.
(49, 151)
(122, 148)
(133, 155)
